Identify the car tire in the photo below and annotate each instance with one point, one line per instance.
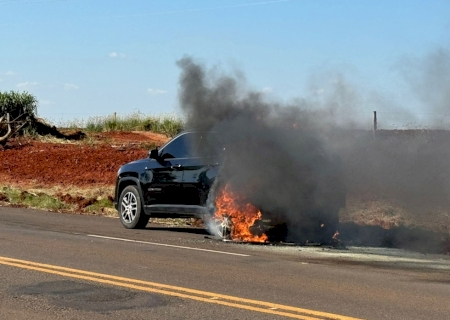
(130, 209)
(221, 227)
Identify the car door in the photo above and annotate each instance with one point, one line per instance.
(167, 173)
(200, 169)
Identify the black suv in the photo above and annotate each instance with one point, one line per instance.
(172, 181)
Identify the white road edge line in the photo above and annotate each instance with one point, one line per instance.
(167, 245)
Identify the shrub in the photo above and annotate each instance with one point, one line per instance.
(18, 104)
(17, 112)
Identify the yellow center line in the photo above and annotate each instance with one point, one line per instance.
(186, 293)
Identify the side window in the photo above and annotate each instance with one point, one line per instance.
(178, 148)
(190, 145)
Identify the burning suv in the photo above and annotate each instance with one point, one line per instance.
(173, 181)
(180, 180)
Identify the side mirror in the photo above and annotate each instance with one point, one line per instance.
(153, 154)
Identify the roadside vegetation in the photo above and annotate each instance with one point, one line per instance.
(18, 118)
(93, 201)
(169, 125)
(17, 114)
(23, 198)
(67, 199)
(16, 104)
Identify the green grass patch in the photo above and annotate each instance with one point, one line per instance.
(32, 200)
(10, 194)
(169, 125)
(99, 206)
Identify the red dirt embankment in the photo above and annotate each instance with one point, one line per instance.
(73, 164)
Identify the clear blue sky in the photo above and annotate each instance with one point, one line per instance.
(83, 58)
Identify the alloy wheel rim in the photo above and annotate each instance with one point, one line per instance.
(129, 207)
(223, 226)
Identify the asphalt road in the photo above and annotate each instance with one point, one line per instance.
(65, 266)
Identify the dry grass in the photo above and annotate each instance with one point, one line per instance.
(87, 192)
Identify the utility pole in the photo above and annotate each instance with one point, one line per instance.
(374, 124)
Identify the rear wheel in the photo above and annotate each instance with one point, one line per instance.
(130, 209)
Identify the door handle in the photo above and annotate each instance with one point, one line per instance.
(177, 166)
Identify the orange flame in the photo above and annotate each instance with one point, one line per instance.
(243, 215)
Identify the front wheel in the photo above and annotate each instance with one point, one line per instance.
(130, 209)
(221, 227)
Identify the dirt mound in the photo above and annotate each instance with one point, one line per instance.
(65, 164)
(94, 162)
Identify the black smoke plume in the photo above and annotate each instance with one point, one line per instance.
(274, 156)
(302, 162)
